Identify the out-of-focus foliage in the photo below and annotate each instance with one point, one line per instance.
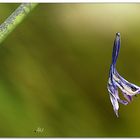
(14, 19)
(54, 70)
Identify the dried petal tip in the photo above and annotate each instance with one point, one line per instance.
(118, 34)
(116, 112)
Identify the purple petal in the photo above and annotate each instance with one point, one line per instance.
(126, 87)
(123, 102)
(128, 97)
(115, 104)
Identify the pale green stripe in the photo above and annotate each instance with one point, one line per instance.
(14, 19)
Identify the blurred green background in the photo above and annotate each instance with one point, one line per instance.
(54, 70)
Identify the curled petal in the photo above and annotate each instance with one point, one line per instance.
(115, 104)
(126, 87)
(128, 97)
(114, 97)
(123, 102)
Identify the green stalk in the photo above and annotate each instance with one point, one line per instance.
(14, 19)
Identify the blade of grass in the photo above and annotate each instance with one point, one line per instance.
(14, 19)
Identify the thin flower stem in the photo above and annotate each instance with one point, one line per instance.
(14, 19)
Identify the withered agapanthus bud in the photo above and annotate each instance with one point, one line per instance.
(116, 81)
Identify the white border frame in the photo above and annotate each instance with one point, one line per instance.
(70, 1)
